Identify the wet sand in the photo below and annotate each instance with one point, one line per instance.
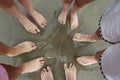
(55, 40)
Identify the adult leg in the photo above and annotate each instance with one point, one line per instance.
(23, 47)
(63, 15)
(77, 5)
(87, 38)
(28, 25)
(47, 74)
(70, 72)
(37, 16)
(89, 60)
(28, 67)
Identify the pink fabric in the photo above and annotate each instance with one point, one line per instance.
(3, 73)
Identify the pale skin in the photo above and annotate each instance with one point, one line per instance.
(86, 60)
(28, 25)
(87, 38)
(70, 73)
(90, 60)
(33, 65)
(28, 67)
(73, 17)
(21, 48)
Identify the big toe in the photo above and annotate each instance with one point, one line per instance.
(49, 69)
(65, 66)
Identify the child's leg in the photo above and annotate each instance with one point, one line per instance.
(89, 60)
(87, 38)
(28, 25)
(13, 72)
(28, 67)
(37, 16)
(23, 47)
(6, 3)
(4, 49)
(63, 15)
(77, 5)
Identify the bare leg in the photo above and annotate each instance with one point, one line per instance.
(77, 5)
(89, 60)
(28, 25)
(14, 72)
(37, 16)
(87, 38)
(46, 74)
(21, 48)
(70, 72)
(63, 15)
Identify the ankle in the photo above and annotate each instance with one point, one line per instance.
(11, 51)
(73, 13)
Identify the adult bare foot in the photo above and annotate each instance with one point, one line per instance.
(33, 65)
(46, 74)
(23, 47)
(86, 60)
(38, 18)
(74, 21)
(70, 72)
(83, 38)
(28, 25)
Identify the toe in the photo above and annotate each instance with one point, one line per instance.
(65, 66)
(41, 58)
(41, 63)
(48, 68)
(44, 70)
(70, 66)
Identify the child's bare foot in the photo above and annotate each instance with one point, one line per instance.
(28, 25)
(46, 74)
(33, 65)
(86, 60)
(70, 72)
(63, 15)
(23, 47)
(74, 21)
(83, 38)
(38, 18)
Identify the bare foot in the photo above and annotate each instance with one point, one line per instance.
(33, 65)
(83, 38)
(63, 15)
(46, 74)
(28, 25)
(86, 60)
(23, 47)
(38, 18)
(70, 72)
(74, 21)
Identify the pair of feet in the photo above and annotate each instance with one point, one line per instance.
(29, 26)
(70, 72)
(73, 18)
(32, 65)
